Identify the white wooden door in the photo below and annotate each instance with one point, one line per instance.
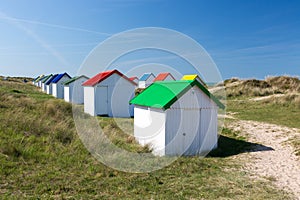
(102, 100)
(184, 136)
(189, 132)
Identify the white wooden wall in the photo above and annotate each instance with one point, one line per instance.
(77, 91)
(40, 83)
(58, 88)
(149, 81)
(117, 92)
(44, 89)
(189, 125)
(73, 92)
(67, 93)
(209, 129)
(89, 101)
(198, 121)
(49, 88)
(54, 89)
(142, 84)
(149, 128)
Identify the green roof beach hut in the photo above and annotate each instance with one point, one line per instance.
(177, 118)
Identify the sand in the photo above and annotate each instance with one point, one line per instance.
(279, 163)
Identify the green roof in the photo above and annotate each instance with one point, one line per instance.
(46, 78)
(74, 79)
(38, 79)
(163, 94)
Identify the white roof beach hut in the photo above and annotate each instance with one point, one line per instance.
(49, 84)
(58, 85)
(73, 89)
(165, 76)
(176, 118)
(108, 93)
(146, 80)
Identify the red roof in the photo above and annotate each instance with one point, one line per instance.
(132, 78)
(163, 76)
(104, 75)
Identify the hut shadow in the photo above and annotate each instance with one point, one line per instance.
(229, 146)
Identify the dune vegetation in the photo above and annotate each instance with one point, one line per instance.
(274, 100)
(41, 156)
(253, 88)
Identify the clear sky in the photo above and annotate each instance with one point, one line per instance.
(245, 38)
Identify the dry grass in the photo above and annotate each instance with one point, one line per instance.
(296, 143)
(16, 79)
(285, 100)
(271, 85)
(285, 83)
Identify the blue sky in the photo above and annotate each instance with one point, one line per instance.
(244, 38)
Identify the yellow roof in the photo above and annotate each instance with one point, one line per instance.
(189, 77)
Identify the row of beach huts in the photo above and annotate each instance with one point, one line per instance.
(174, 117)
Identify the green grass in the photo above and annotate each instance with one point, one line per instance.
(286, 115)
(41, 156)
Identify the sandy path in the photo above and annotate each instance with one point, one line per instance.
(267, 97)
(281, 163)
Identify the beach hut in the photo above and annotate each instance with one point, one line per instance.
(176, 118)
(49, 84)
(166, 76)
(190, 77)
(134, 79)
(44, 88)
(108, 93)
(146, 80)
(73, 89)
(34, 82)
(58, 85)
(37, 81)
(41, 81)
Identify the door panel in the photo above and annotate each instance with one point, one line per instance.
(102, 100)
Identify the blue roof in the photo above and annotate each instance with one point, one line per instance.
(50, 80)
(58, 77)
(146, 76)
